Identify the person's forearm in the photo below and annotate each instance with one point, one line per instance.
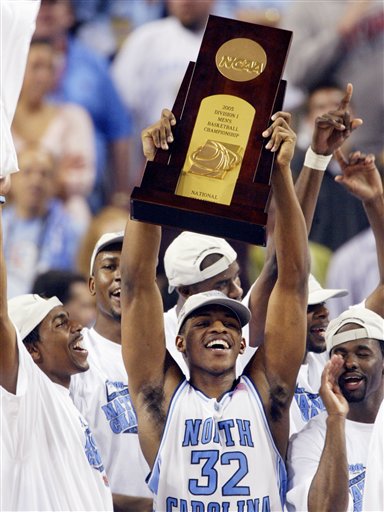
(329, 487)
(307, 188)
(291, 238)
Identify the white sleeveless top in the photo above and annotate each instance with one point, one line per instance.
(217, 455)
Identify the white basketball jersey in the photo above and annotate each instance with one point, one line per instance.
(217, 455)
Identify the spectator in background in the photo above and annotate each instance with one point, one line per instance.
(82, 77)
(342, 40)
(151, 64)
(38, 232)
(71, 288)
(358, 274)
(63, 129)
(338, 215)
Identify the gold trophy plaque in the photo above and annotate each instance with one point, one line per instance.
(215, 179)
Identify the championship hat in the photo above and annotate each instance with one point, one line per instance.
(371, 326)
(183, 258)
(317, 294)
(104, 241)
(213, 297)
(27, 311)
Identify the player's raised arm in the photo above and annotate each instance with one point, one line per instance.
(276, 363)
(9, 359)
(361, 178)
(153, 375)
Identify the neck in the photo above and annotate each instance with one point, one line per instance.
(211, 384)
(109, 328)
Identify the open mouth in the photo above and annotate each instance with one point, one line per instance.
(116, 294)
(318, 331)
(218, 345)
(352, 382)
(79, 347)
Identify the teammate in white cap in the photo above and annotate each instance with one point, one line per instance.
(49, 460)
(327, 458)
(102, 393)
(204, 439)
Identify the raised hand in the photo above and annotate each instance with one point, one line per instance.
(333, 128)
(330, 392)
(158, 135)
(283, 138)
(360, 175)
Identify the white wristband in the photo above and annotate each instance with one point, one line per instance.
(315, 161)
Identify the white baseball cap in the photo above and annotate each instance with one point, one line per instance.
(27, 311)
(183, 258)
(372, 326)
(103, 241)
(317, 294)
(215, 297)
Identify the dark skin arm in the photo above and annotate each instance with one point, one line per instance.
(329, 487)
(285, 326)
(9, 360)
(330, 132)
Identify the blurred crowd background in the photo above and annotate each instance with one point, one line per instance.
(99, 71)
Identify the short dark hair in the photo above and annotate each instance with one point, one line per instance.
(57, 283)
(33, 337)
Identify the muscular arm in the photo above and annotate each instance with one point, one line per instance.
(9, 360)
(152, 376)
(330, 132)
(329, 487)
(286, 315)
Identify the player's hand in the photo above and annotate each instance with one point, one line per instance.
(360, 175)
(158, 135)
(333, 128)
(282, 138)
(330, 392)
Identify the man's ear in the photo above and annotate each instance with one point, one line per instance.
(243, 346)
(91, 286)
(34, 350)
(185, 291)
(180, 343)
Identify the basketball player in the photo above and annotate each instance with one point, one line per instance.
(204, 439)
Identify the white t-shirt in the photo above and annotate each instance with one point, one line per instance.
(102, 395)
(306, 402)
(373, 499)
(217, 455)
(49, 459)
(304, 452)
(170, 328)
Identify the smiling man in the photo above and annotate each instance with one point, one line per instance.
(214, 442)
(327, 459)
(102, 394)
(49, 459)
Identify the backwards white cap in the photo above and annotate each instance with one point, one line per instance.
(103, 241)
(372, 326)
(183, 258)
(27, 311)
(214, 297)
(317, 294)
